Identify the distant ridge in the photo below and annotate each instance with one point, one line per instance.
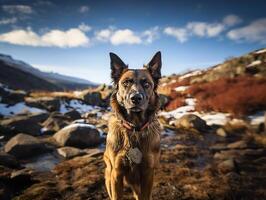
(20, 75)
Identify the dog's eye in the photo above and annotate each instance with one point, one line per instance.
(127, 82)
(146, 84)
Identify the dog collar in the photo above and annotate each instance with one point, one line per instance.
(128, 126)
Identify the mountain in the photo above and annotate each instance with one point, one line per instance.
(20, 75)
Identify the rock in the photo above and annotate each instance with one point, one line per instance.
(12, 96)
(29, 123)
(227, 166)
(48, 103)
(93, 98)
(78, 135)
(55, 122)
(6, 133)
(70, 152)
(191, 121)
(221, 132)
(163, 99)
(8, 160)
(24, 146)
(73, 114)
(94, 152)
(238, 145)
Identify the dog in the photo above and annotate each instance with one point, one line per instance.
(133, 139)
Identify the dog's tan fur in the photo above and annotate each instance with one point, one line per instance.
(120, 138)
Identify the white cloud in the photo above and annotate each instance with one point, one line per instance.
(84, 9)
(179, 33)
(125, 36)
(5, 21)
(118, 36)
(151, 34)
(84, 27)
(202, 29)
(104, 35)
(231, 20)
(17, 9)
(254, 32)
(73, 37)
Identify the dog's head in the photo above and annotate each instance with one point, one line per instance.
(136, 88)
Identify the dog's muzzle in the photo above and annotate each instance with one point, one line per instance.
(136, 98)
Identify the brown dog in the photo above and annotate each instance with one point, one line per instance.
(133, 141)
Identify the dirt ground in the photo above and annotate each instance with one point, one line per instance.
(193, 166)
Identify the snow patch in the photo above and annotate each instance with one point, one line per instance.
(261, 51)
(76, 105)
(210, 118)
(254, 63)
(215, 118)
(194, 73)
(257, 119)
(80, 125)
(21, 107)
(190, 101)
(181, 88)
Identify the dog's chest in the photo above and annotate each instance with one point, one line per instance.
(134, 149)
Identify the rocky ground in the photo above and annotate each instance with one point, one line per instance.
(55, 155)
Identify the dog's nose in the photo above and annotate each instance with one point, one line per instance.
(136, 98)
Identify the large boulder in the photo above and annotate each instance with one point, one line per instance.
(78, 135)
(29, 123)
(12, 96)
(73, 114)
(47, 103)
(191, 121)
(8, 160)
(25, 146)
(55, 122)
(92, 98)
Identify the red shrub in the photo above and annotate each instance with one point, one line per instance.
(175, 103)
(239, 96)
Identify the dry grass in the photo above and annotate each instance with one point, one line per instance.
(37, 94)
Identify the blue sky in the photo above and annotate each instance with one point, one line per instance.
(75, 37)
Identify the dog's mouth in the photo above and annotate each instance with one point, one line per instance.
(135, 109)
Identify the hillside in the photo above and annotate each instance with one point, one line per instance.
(237, 86)
(20, 75)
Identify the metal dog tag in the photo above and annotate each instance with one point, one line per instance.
(134, 155)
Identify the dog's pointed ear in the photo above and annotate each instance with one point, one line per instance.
(154, 66)
(117, 67)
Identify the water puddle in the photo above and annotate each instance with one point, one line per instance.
(43, 163)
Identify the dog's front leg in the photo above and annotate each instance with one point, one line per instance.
(146, 183)
(116, 184)
(117, 176)
(108, 173)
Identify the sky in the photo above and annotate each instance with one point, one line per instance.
(75, 37)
